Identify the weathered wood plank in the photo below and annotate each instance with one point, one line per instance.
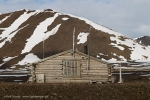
(51, 63)
(73, 81)
(81, 78)
(94, 71)
(94, 65)
(53, 78)
(66, 57)
(52, 73)
(85, 73)
(93, 75)
(67, 81)
(49, 68)
(60, 71)
(97, 68)
(97, 63)
(86, 77)
(53, 60)
(76, 78)
(67, 54)
(95, 78)
(90, 60)
(50, 60)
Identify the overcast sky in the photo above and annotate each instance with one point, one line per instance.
(129, 17)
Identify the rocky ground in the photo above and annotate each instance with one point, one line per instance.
(26, 91)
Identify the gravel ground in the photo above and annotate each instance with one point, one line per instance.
(25, 91)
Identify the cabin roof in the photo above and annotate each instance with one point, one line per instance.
(69, 51)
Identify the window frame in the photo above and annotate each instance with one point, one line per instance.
(71, 68)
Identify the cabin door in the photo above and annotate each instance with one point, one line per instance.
(40, 78)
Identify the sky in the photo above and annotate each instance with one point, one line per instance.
(128, 17)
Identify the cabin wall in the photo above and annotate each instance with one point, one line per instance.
(53, 70)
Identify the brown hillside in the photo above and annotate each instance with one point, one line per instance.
(100, 41)
(11, 19)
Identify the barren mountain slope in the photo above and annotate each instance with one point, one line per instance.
(22, 34)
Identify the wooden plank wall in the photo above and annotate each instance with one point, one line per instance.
(53, 70)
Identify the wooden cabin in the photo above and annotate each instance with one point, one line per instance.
(69, 67)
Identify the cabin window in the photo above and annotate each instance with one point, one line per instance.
(71, 68)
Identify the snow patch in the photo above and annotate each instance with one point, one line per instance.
(29, 59)
(2, 64)
(13, 66)
(53, 31)
(39, 35)
(139, 53)
(112, 60)
(82, 37)
(101, 54)
(98, 56)
(114, 54)
(116, 45)
(8, 58)
(65, 18)
(122, 58)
